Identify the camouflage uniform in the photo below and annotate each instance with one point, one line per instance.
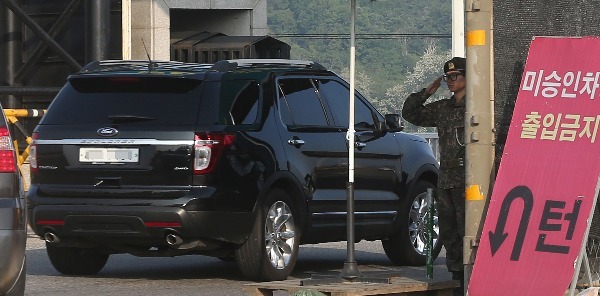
(449, 119)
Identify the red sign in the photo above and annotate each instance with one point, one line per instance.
(546, 184)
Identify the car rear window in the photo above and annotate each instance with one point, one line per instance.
(131, 100)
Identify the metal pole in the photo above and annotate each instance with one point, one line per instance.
(458, 28)
(479, 124)
(97, 30)
(350, 270)
(10, 52)
(429, 243)
(583, 258)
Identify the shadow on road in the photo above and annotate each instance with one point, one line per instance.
(313, 260)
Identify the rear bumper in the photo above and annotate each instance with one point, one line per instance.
(12, 248)
(113, 219)
(146, 225)
(201, 214)
(138, 225)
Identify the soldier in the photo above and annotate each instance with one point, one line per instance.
(448, 115)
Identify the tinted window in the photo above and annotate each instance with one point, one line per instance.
(299, 104)
(242, 98)
(134, 84)
(142, 102)
(337, 96)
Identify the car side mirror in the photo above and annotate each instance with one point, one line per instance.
(394, 122)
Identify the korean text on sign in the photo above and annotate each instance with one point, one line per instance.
(562, 85)
(564, 127)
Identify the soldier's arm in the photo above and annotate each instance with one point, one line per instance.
(415, 112)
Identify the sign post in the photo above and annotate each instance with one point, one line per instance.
(583, 258)
(546, 186)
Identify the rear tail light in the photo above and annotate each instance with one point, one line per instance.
(33, 154)
(8, 161)
(207, 150)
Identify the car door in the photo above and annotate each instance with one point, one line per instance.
(376, 160)
(316, 154)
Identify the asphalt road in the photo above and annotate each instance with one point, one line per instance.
(194, 275)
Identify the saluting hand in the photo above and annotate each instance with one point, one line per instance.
(433, 87)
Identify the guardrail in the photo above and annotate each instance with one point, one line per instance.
(12, 116)
(432, 139)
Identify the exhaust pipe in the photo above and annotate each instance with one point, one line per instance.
(173, 240)
(51, 238)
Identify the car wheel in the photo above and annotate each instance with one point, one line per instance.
(19, 288)
(76, 261)
(271, 251)
(407, 246)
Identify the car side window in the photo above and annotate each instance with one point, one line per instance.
(299, 103)
(337, 95)
(244, 97)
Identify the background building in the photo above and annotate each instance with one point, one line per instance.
(42, 42)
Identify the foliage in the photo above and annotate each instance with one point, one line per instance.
(426, 70)
(387, 70)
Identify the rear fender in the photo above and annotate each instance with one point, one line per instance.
(289, 183)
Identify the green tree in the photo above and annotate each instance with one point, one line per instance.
(381, 64)
(425, 71)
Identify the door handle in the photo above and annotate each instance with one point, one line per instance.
(360, 145)
(296, 142)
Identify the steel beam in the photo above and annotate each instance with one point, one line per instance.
(23, 73)
(28, 91)
(35, 28)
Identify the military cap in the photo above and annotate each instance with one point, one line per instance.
(456, 64)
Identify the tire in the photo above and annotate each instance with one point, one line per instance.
(19, 287)
(271, 251)
(76, 261)
(406, 246)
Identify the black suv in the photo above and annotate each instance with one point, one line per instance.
(243, 159)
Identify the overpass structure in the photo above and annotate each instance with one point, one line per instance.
(42, 42)
(153, 21)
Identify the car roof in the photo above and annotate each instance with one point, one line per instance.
(194, 70)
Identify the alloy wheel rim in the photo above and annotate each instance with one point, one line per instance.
(279, 235)
(417, 224)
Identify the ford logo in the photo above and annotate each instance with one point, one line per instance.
(107, 131)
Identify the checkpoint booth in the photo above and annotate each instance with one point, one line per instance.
(210, 47)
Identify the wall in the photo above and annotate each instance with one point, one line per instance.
(150, 22)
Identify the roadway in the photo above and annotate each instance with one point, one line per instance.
(194, 275)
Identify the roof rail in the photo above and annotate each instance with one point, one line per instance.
(230, 65)
(170, 66)
(143, 65)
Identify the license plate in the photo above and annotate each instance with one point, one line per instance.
(109, 155)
